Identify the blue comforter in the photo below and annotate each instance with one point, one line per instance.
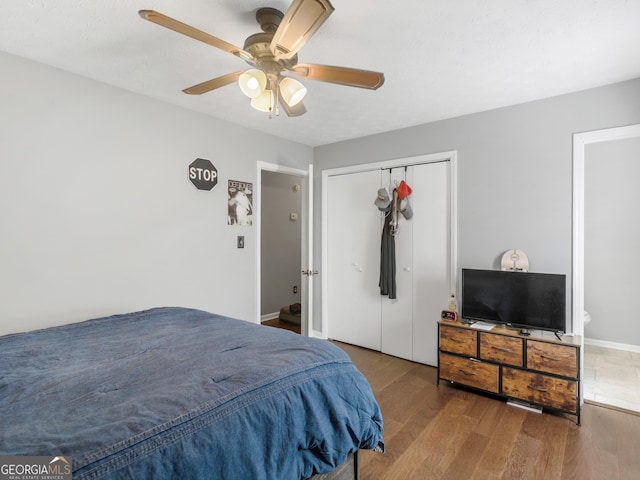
(181, 393)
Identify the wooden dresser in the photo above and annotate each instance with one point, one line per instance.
(538, 369)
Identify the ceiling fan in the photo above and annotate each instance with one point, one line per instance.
(273, 54)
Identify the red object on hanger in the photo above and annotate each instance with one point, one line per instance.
(404, 190)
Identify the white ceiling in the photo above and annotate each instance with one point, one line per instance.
(441, 58)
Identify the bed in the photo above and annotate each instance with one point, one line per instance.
(182, 393)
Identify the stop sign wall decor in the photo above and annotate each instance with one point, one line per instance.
(203, 174)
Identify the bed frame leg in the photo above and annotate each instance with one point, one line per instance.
(356, 466)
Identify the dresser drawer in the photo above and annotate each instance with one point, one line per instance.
(501, 349)
(473, 373)
(538, 388)
(459, 340)
(552, 358)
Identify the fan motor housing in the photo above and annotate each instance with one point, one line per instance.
(258, 46)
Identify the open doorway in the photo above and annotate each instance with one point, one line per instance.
(284, 245)
(281, 248)
(606, 163)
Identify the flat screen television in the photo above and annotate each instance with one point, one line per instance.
(525, 300)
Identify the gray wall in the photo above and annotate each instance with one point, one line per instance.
(612, 240)
(281, 241)
(514, 171)
(97, 215)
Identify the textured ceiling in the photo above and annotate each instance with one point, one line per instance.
(441, 58)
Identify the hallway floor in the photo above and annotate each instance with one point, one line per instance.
(276, 322)
(612, 377)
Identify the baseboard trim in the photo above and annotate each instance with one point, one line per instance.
(612, 407)
(269, 316)
(614, 345)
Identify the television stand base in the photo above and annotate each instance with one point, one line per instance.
(526, 406)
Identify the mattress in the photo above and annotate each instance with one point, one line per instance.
(182, 393)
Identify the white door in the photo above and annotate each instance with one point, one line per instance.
(397, 314)
(353, 259)
(431, 202)
(409, 323)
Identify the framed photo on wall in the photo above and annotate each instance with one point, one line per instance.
(240, 203)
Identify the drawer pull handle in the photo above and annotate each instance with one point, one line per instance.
(501, 349)
(457, 340)
(555, 359)
(538, 389)
(467, 372)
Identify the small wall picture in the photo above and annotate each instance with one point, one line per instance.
(240, 201)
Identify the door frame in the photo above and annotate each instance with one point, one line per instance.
(580, 142)
(450, 156)
(306, 260)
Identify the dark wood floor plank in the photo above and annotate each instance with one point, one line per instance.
(551, 431)
(473, 449)
(629, 448)
(523, 458)
(434, 450)
(500, 443)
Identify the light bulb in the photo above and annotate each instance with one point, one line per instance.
(252, 82)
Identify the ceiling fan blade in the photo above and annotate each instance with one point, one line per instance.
(189, 31)
(214, 83)
(300, 21)
(351, 77)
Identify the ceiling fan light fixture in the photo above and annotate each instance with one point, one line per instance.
(292, 91)
(271, 53)
(252, 82)
(264, 102)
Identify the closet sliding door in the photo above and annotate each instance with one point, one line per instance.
(397, 314)
(432, 256)
(423, 258)
(353, 259)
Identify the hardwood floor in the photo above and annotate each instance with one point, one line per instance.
(445, 432)
(276, 322)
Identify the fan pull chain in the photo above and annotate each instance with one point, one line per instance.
(276, 104)
(271, 108)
